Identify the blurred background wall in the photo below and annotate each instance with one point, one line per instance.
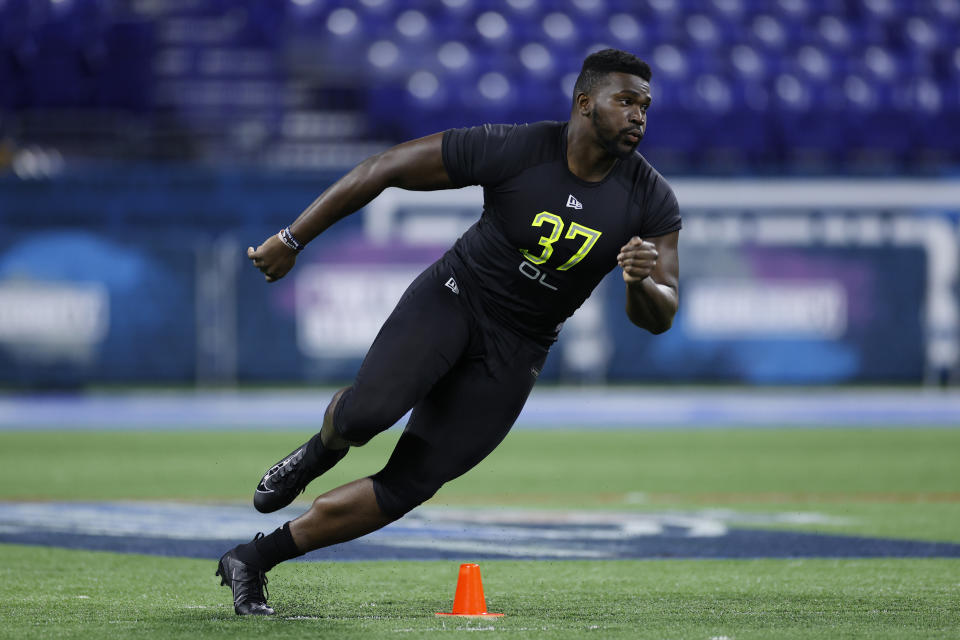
(814, 146)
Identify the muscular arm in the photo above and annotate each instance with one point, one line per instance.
(651, 270)
(415, 165)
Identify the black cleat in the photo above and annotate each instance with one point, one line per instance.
(287, 479)
(248, 585)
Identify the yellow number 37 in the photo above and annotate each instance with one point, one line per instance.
(590, 237)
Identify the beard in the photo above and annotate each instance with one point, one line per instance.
(613, 143)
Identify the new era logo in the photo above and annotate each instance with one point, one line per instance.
(452, 285)
(573, 203)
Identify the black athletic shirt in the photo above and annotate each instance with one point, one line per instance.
(547, 238)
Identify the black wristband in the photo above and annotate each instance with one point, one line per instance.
(287, 238)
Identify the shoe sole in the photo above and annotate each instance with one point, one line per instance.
(265, 506)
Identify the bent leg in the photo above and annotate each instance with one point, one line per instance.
(427, 333)
(345, 513)
(465, 417)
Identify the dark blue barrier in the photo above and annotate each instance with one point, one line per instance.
(137, 199)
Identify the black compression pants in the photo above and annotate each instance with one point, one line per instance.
(430, 356)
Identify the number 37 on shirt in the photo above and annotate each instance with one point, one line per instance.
(574, 231)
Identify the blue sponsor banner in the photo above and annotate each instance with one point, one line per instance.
(103, 308)
(139, 275)
(77, 306)
(786, 315)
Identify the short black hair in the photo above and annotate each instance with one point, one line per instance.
(599, 64)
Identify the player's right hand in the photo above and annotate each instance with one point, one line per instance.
(638, 258)
(273, 258)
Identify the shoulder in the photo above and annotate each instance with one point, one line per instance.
(490, 153)
(544, 132)
(520, 137)
(653, 198)
(646, 183)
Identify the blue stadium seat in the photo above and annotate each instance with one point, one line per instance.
(125, 79)
(734, 80)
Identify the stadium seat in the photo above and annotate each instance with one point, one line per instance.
(752, 71)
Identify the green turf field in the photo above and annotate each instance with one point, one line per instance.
(55, 593)
(890, 483)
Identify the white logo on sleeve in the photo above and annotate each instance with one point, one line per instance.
(573, 203)
(452, 285)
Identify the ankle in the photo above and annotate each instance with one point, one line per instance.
(248, 554)
(276, 548)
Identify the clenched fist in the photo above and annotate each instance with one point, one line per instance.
(273, 258)
(638, 258)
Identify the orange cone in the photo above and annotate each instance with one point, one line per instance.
(469, 600)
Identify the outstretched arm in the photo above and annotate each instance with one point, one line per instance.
(651, 270)
(415, 165)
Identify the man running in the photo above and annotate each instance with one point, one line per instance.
(564, 203)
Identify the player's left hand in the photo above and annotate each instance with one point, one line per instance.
(273, 258)
(638, 259)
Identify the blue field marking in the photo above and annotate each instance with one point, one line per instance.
(207, 531)
(548, 407)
